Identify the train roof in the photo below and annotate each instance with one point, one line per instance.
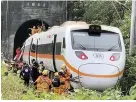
(76, 26)
(53, 27)
(73, 25)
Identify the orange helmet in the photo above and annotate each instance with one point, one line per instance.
(63, 66)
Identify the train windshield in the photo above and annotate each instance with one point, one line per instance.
(107, 41)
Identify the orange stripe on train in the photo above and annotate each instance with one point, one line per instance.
(61, 57)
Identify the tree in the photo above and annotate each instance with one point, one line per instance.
(101, 12)
(105, 11)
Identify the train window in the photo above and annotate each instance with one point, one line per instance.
(45, 48)
(64, 45)
(41, 49)
(58, 48)
(50, 48)
(105, 42)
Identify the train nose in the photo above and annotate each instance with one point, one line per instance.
(98, 76)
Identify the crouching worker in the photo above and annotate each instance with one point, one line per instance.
(43, 83)
(41, 67)
(34, 72)
(63, 82)
(56, 83)
(59, 83)
(26, 74)
(67, 76)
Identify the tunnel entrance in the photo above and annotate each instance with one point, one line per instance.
(23, 32)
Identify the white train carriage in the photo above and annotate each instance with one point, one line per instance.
(94, 54)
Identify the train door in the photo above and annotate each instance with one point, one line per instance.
(51, 74)
(30, 51)
(54, 52)
(22, 52)
(63, 47)
(36, 51)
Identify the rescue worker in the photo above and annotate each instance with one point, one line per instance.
(43, 28)
(31, 66)
(33, 30)
(13, 67)
(56, 83)
(41, 67)
(26, 74)
(7, 64)
(43, 82)
(20, 64)
(34, 71)
(39, 29)
(7, 67)
(21, 73)
(18, 52)
(63, 82)
(67, 75)
(33, 60)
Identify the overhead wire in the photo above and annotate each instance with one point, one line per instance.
(122, 4)
(116, 10)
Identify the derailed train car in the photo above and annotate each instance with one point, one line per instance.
(94, 54)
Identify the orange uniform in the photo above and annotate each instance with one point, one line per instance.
(62, 88)
(43, 84)
(33, 31)
(67, 77)
(39, 30)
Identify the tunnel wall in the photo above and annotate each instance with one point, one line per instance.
(18, 12)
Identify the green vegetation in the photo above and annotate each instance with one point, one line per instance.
(97, 13)
(12, 86)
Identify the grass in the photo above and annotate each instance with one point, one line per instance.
(12, 86)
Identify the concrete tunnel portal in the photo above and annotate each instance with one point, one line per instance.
(23, 32)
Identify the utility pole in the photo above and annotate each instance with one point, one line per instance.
(66, 10)
(133, 27)
(7, 50)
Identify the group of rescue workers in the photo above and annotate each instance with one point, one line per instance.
(39, 76)
(37, 29)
